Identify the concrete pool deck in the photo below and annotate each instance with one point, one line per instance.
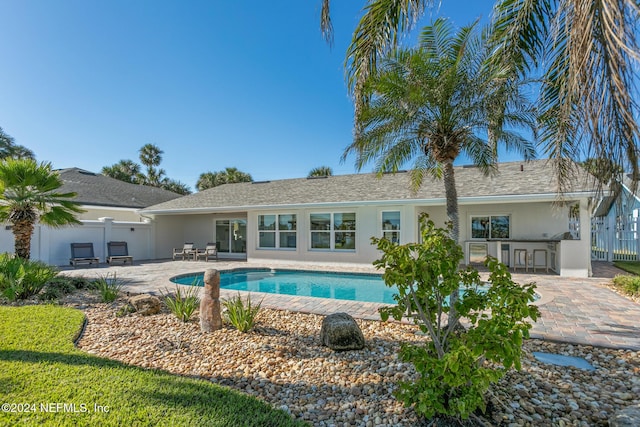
(574, 310)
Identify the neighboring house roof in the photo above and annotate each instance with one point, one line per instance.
(605, 205)
(99, 190)
(516, 180)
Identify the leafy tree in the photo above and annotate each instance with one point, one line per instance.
(453, 377)
(434, 102)
(585, 52)
(320, 171)
(28, 193)
(124, 170)
(227, 176)
(8, 148)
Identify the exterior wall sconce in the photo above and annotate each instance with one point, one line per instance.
(133, 229)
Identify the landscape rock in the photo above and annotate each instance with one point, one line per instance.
(145, 304)
(282, 364)
(210, 316)
(340, 332)
(627, 417)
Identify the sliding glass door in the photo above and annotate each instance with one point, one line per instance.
(231, 236)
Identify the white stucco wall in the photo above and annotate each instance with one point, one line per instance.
(118, 214)
(528, 220)
(52, 245)
(368, 224)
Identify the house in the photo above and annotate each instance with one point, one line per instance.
(331, 219)
(111, 215)
(615, 225)
(103, 196)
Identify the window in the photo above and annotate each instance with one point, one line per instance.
(277, 231)
(490, 227)
(334, 231)
(391, 226)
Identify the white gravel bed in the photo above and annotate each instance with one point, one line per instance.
(283, 363)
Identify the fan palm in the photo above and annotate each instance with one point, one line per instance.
(151, 157)
(233, 175)
(124, 170)
(320, 171)
(28, 193)
(8, 148)
(209, 180)
(584, 49)
(435, 102)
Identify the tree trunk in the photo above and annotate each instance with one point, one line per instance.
(451, 195)
(22, 232)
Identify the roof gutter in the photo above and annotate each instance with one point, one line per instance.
(474, 200)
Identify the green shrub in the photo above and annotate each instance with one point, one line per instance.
(183, 305)
(63, 283)
(630, 285)
(108, 288)
(453, 377)
(50, 293)
(81, 283)
(22, 278)
(241, 313)
(60, 285)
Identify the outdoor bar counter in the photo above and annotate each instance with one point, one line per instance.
(560, 254)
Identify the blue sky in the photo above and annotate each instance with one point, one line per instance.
(246, 84)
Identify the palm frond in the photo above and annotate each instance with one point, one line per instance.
(378, 32)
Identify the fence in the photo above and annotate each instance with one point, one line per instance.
(615, 239)
(52, 245)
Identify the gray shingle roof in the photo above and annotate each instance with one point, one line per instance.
(535, 178)
(100, 190)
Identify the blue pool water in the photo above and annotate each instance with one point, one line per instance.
(344, 286)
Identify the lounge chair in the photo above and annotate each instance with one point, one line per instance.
(82, 253)
(118, 251)
(186, 252)
(211, 251)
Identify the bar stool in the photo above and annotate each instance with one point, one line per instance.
(545, 265)
(518, 256)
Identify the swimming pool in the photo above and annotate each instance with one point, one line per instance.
(343, 286)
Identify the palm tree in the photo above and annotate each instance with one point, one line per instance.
(585, 51)
(233, 175)
(432, 103)
(227, 176)
(209, 180)
(27, 195)
(151, 157)
(8, 148)
(124, 170)
(175, 186)
(320, 171)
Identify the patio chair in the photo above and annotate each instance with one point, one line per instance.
(118, 251)
(211, 251)
(82, 253)
(186, 252)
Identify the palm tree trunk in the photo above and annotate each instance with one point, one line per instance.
(22, 232)
(452, 213)
(452, 199)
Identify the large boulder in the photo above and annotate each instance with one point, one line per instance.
(340, 332)
(145, 304)
(210, 314)
(627, 417)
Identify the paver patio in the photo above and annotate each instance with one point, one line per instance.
(574, 310)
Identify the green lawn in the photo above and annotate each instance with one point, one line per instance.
(41, 370)
(629, 266)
